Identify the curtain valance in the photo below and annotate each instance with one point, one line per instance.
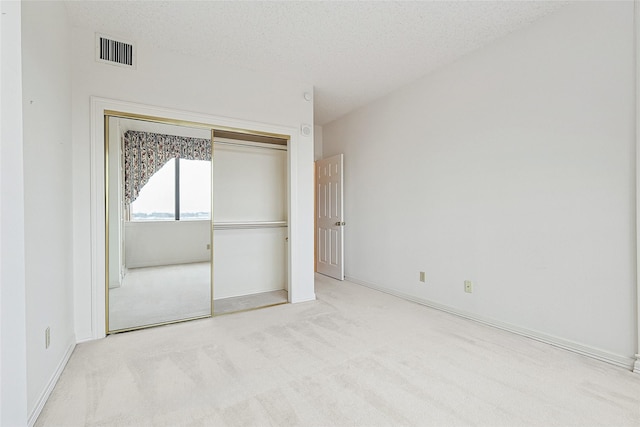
(145, 153)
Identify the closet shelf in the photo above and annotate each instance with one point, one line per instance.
(237, 225)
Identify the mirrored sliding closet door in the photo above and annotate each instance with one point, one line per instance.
(170, 255)
(159, 223)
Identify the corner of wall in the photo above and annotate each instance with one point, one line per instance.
(13, 347)
(46, 37)
(46, 392)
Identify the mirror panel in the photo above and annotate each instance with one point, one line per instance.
(159, 223)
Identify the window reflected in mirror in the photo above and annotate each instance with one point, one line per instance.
(159, 210)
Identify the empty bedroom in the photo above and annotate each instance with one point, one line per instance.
(319, 213)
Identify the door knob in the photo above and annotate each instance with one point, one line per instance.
(338, 224)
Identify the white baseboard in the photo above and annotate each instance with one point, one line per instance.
(585, 350)
(52, 383)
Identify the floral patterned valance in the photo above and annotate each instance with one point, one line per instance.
(145, 153)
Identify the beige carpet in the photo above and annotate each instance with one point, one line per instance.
(355, 357)
(154, 295)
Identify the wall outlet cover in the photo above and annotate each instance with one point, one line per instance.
(468, 286)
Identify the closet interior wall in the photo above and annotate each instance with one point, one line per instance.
(250, 218)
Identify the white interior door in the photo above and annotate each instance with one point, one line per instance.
(330, 221)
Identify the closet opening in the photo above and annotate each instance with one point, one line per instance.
(192, 229)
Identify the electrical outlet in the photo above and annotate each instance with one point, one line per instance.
(423, 277)
(47, 337)
(468, 286)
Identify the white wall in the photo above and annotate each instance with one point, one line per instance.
(153, 243)
(169, 80)
(47, 190)
(514, 168)
(249, 261)
(249, 184)
(13, 361)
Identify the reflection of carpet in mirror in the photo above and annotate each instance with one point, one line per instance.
(153, 295)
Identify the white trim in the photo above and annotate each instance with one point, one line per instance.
(636, 26)
(585, 350)
(98, 107)
(292, 238)
(97, 236)
(33, 417)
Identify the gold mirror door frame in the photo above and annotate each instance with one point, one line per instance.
(214, 131)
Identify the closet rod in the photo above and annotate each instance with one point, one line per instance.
(252, 145)
(248, 224)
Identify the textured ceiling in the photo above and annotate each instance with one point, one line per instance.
(352, 52)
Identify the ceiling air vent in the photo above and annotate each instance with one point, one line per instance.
(115, 52)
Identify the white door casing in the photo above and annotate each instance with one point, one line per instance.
(330, 222)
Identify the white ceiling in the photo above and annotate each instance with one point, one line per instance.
(352, 52)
